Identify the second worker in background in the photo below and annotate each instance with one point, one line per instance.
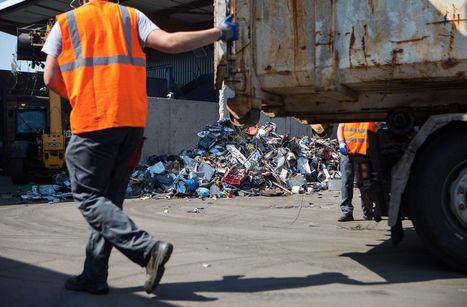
(354, 148)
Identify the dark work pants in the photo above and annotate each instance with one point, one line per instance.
(347, 182)
(98, 166)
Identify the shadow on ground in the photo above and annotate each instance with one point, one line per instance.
(410, 261)
(23, 284)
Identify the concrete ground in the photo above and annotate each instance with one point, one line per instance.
(286, 251)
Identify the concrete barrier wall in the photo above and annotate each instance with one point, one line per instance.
(173, 125)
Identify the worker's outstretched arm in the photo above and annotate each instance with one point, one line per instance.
(185, 41)
(181, 41)
(53, 76)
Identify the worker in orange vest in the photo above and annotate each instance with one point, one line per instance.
(353, 144)
(95, 59)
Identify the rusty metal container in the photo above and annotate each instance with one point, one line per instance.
(344, 60)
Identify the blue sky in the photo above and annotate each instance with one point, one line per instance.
(7, 48)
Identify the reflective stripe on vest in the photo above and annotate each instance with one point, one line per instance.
(95, 61)
(355, 140)
(355, 130)
(116, 59)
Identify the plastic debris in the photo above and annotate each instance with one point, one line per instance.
(203, 192)
(157, 168)
(51, 193)
(195, 210)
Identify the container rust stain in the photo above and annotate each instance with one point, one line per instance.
(455, 19)
(364, 39)
(331, 34)
(295, 26)
(454, 12)
(371, 5)
(352, 43)
(395, 54)
(458, 20)
(452, 40)
(449, 63)
(299, 23)
(413, 40)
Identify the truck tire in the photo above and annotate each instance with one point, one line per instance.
(437, 196)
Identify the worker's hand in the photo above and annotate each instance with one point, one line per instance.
(229, 29)
(343, 148)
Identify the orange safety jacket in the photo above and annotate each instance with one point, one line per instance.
(103, 67)
(356, 136)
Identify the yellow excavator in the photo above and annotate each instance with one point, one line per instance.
(53, 143)
(39, 141)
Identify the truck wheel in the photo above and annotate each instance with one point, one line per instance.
(438, 196)
(16, 171)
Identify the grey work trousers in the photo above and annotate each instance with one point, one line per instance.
(98, 166)
(347, 166)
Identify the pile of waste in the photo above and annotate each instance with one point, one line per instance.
(59, 190)
(228, 161)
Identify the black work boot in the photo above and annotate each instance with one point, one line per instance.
(160, 254)
(79, 283)
(346, 217)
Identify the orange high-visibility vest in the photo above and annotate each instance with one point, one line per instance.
(356, 136)
(103, 66)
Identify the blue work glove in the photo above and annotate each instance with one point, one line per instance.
(229, 29)
(343, 148)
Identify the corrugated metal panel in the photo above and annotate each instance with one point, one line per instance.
(15, 13)
(195, 13)
(186, 67)
(31, 12)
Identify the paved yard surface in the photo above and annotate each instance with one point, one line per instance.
(286, 251)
